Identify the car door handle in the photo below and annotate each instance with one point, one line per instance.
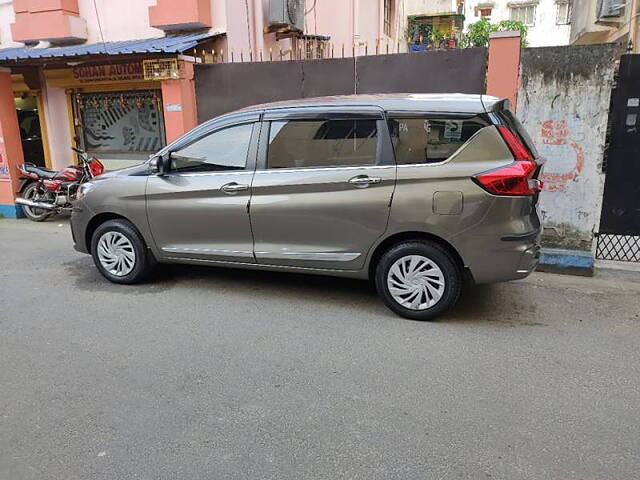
(233, 187)
(364, 181)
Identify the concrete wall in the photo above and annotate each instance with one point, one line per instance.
(430, 7)
(585, 30)
(583, 26)
(563, 101)
(119, 19)
(545, 32)
(7, 17)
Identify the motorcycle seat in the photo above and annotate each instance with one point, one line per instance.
(40, 171)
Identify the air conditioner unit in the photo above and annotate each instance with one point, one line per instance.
(611, 9)
(286, 14)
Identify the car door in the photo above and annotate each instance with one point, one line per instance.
(322, 191)
(199, 208)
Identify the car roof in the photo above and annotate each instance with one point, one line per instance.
(406, 102)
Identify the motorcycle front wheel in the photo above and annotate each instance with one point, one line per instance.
(34, 193)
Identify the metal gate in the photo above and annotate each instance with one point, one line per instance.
(619, 236)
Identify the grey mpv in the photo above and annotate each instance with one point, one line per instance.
(416, 192)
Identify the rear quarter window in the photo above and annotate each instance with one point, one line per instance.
(421, 140)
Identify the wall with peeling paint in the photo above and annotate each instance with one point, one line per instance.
(563, 101)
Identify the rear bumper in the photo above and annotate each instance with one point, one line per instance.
(514, 257)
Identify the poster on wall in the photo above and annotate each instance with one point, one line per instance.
(4, 166)
(121, 122)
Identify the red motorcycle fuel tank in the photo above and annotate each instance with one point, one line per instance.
(72, 173)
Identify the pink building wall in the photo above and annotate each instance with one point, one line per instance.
(342, 20)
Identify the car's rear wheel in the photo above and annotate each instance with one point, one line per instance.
(120, 253)
(418, 279)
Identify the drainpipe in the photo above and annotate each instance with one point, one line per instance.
(633, 25)
(353, 43)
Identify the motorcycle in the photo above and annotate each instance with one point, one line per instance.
(47, 192)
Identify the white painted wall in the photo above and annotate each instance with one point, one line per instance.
(429, 7)
(7, 17)
(544, 33)
(565, 110)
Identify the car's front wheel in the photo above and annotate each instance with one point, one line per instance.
(120, 253)
(418, 279)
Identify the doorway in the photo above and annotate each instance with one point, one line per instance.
(30, 129)
(619, 235)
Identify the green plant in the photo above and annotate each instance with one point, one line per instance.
(437, 36)
(478, 33)
(416, 27)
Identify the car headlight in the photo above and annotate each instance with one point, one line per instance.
(83, 190)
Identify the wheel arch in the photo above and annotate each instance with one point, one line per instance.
(400, 237)
(98, 220)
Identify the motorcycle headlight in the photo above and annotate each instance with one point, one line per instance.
(83, 190)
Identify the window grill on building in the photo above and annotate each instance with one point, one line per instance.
(315, 46)
(161, 69)
(523, 13)
(623, 248)
(564, 13)
(123, 122)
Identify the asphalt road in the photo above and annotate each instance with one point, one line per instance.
(225, 374)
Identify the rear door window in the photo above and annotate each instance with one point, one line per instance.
(322, 143)
(421, 140)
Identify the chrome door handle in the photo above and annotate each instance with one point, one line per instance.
(364, 181)
(233, 187)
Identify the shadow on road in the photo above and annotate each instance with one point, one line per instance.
(476, 304)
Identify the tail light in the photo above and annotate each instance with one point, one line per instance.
(516, 179)
(96, 167)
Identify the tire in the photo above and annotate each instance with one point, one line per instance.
(435, 272)
(30, 192)
(119, 242)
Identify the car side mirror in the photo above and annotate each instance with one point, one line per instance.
(154, 165)
(160, 164)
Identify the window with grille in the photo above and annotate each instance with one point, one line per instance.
(564, 13)
(121, 122)
(485, 12)
(525, 14)
(316, 48)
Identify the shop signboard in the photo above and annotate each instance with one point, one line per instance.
(115, 72)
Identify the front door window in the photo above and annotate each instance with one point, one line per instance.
(222, 150)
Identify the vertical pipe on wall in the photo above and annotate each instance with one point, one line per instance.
(353, 42)
(633, 26)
